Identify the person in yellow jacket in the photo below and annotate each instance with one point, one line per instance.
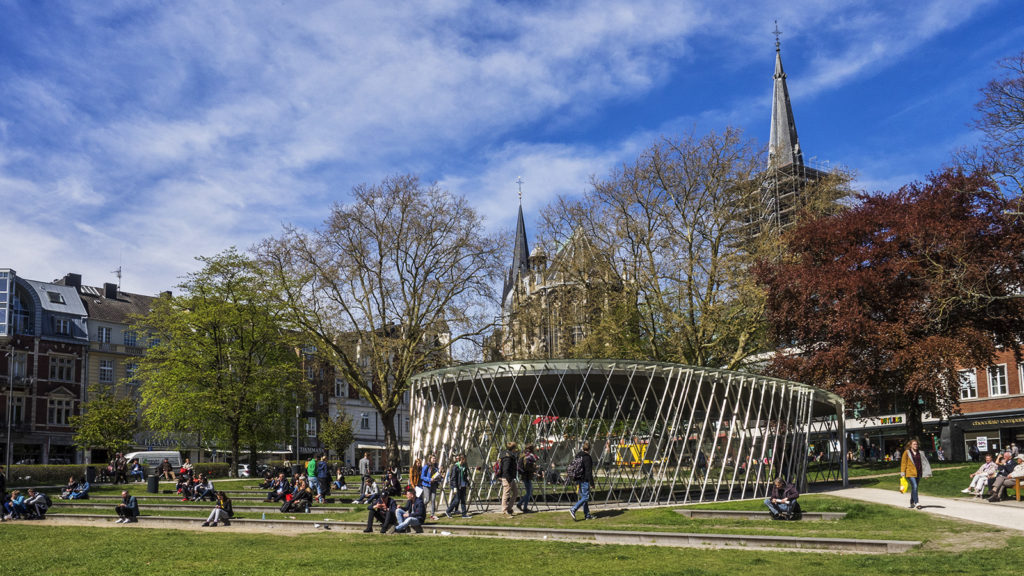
(914, 466)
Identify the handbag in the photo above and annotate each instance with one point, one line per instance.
(903, 485)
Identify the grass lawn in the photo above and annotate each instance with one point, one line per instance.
(153, 551)
(949, 546)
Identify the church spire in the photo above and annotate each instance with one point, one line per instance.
(783, 145)
(521, 250)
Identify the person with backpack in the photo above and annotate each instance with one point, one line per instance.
(37, 504)
(507, 472)
(581, 470)
(527, 471)
(458, 479)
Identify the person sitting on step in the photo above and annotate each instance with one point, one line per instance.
(222, 511)
(781, 500)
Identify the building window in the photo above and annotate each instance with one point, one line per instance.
(18, 410)
(129, 371)
(106, 371)
(997, 380)
(103, 335)
(406, 423)
(55, 297)
(311, 427)
(62, 326)
(62, 368)
(968, 384)
(364, 420)
(340, 388)
(129, 338)
(20, 365)
(59, 412)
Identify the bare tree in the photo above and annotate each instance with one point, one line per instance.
(1002, 122)
(389, 284)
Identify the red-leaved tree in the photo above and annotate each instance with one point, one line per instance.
(883, 303)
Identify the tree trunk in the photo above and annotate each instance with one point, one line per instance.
(393, 455)
(235, 451)
(915, 427)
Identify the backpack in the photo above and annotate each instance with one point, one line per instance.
(49, 503)
(574, 472)
(497, 468)
(527, 466)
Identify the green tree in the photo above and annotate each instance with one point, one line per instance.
(336, 434)
(220, 362)
(107, 422)
(388, 286)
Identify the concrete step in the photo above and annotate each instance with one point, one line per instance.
(199, 507)
(698, 514)
(669, 539)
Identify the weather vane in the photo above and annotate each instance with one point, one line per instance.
(519, 181)
(777, 34)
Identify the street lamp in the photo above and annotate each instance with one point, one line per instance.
(10, 405)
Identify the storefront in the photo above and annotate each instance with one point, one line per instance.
(985, 433)
(880, 438)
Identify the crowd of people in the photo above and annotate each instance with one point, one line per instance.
(995, 475)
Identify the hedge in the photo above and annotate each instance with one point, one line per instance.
(57, 474)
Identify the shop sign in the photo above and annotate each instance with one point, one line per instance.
(982, 443)
(996, 422)
(887, 420)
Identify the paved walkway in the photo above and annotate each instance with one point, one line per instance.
(1006, 514)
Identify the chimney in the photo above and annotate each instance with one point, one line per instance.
(110, 291)
(74, 280)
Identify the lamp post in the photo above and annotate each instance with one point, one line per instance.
(296, 434)
(10, 407)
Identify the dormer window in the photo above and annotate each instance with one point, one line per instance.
(56, 297)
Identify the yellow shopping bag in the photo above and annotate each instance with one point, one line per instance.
(903, 485)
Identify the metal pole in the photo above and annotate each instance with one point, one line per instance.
(296, 433)
(10, 410)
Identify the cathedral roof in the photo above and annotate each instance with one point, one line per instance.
(783, 145)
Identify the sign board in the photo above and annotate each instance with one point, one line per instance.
(982, 443)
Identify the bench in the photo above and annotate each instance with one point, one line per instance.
(1016, 487)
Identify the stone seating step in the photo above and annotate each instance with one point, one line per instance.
(671, 539)
(85, 504)
(697, 514)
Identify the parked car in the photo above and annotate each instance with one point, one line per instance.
(244, 471)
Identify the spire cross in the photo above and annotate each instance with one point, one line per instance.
(777, 34)
(519, 181)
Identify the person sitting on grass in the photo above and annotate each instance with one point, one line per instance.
(412, 514)
(370, 491)
(302, 496)
(68, 488)
(339, 477)
(980, 478)
(279, 488)
(36, 505)
(381, 509)
(185, 486)
(222, 511)
(204, 489)
(15, 507)
(781, 501)
(81, 491)
(128, 509)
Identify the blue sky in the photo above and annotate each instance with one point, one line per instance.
(148, 133)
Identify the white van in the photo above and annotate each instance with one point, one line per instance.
(151, 459)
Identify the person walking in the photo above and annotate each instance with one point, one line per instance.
(364, 471)
(458, 479)
(527, 471)
(430, 484)
(585, 483)
(507, 472)
(914, 466)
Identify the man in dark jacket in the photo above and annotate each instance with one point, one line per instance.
(507, 472)
(585, 483)
(781, 499)
(323, 479)
(128, 509)
(412, 515)
(527, 471)
(382, 509)
(999, 484)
